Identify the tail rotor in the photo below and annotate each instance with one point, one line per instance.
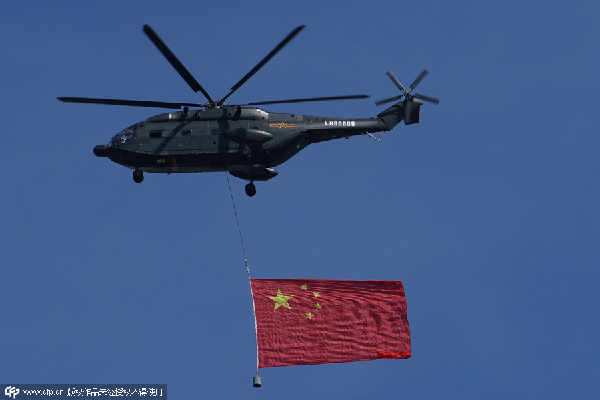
(409, 98)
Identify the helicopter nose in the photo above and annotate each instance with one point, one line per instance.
(101, 150)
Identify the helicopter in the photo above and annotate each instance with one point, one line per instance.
(242, 139)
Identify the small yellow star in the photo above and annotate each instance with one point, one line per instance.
(309, 315)
(316, 294)
(304, 287)
(318, 306)
(281, 300)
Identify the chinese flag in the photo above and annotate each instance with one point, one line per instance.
(302, 322)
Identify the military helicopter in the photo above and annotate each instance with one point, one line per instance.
(245, 141)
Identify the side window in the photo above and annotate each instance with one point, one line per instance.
(156, 134)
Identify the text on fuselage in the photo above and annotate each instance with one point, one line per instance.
(340, 123)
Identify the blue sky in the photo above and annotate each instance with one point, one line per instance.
(487, 210)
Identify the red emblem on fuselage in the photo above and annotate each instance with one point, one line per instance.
(283, 125)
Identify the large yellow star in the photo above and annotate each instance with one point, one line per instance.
(281, 300)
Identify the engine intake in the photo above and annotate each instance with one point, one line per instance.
(250, 135)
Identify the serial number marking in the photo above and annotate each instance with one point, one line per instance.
(340, 123)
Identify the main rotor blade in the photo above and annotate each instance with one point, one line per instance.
(360, 96)
(133, 103)
(380, 102)
(185, 74)
(395, 80)
(265, 60)
(427, 98)
(419, 79)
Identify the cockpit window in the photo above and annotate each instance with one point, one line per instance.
(123, 136)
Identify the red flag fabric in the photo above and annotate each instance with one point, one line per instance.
(301, 322)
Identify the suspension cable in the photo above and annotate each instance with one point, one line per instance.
(237, 220)
(247, 269)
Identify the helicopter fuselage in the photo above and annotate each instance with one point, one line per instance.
(247, 142)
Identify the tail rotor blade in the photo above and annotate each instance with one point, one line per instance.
(427, 98)
(395, 80)
(419, 79)
(408, 107)
(380, 102)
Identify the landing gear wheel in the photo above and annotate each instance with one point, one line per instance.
(138, 176)
(250, 189)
